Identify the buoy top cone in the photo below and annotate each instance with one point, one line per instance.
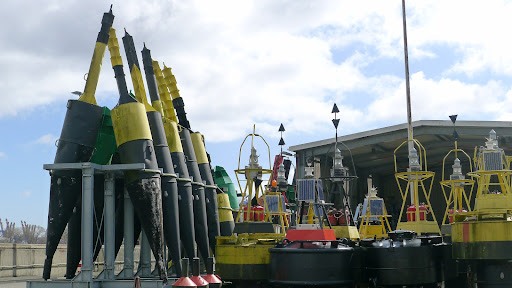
(210, 277)
(196, 278)
(184, 281)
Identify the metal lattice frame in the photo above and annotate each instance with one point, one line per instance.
(107, 277)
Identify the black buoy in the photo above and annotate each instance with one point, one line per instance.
(75, 145)
(415, 260)
(212, 207)
(135, 145)
(199, 203)
(311, 263)
(163, 154)
(185, 197)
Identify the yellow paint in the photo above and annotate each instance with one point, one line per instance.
(225, 211)
(245, 248)
(346, 232)
(158, 106)
(173, 136)
(138, 87)
(197, 142)
(493, 201)
(165, 96)
(311, 215)
(113, 47)
(171, 82)
(372, 231)
(94, 74)
(135, 129)
(420, 227)
(247, 254)
(482, 231)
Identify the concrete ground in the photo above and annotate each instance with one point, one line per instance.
(20, 282)
(16, 282)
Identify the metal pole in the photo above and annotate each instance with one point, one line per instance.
(127, 272)
(336, 143)
(410, 144)
(87, 222)
(110, 210)
(14, 256)
(407, 86)
(144, 270)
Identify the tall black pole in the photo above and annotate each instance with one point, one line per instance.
(407, 86)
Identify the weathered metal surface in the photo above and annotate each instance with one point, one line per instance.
(76, 144)
(142, 186)
(185, 203)
(200, 218)
(163, 156)
(491, 250)
(494, 274)
(212, 207)
(311, 264)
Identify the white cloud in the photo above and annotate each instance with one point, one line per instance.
(47, 139)
(3, 155)
(433, 99)
(267, 62)
(477, 35)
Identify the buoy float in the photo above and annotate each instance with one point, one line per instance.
(184, 281)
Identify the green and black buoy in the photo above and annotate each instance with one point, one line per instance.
(75, 145)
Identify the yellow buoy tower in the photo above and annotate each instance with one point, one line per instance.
(482, 237)
(456, 199)
(244, 257)
(374, 216)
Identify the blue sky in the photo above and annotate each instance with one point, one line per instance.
(240, 63)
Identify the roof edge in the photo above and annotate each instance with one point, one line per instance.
(398, 127)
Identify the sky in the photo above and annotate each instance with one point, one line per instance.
(242, 63)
